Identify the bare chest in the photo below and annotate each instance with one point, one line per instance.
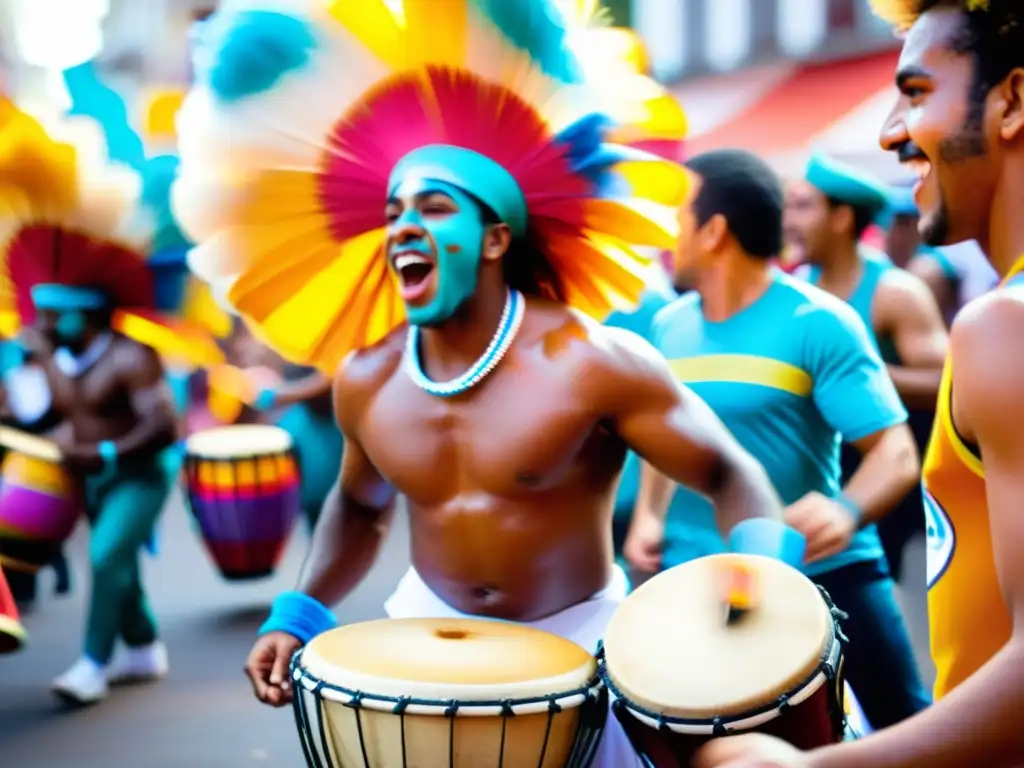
(512, 436)
(97, 391)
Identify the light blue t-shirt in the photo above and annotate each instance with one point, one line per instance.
(875, 264)
(789, 376)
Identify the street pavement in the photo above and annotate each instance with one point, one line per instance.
(203, 715)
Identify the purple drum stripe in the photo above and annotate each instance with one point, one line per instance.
(270, 518)
(33, 514)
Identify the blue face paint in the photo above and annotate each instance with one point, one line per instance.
(70, 325)
(457, 248)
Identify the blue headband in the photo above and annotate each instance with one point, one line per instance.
(58, 298)
(468, 170)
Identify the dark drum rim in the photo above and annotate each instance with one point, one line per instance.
(825, 672)
(591, 700)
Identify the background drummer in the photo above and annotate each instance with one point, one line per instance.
(112, 438)
(789, 369)
(297, 399)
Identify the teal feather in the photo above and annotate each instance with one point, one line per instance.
(91, 97)
(252, 50)
(538, 28)
(158, 176)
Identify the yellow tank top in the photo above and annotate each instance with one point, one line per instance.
(969, 620)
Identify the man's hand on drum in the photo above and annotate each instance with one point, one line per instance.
(827, 525)
(750, 751)
(644, 543)
(77, 458)
(267, 667)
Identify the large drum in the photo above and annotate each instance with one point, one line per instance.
(681, 673)
(39, 502)
(243, 490)
(447, 693)
(12, 634)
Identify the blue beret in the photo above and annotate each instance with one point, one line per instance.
(846, 184)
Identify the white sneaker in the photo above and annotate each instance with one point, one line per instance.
(139, 665)
(84, 683)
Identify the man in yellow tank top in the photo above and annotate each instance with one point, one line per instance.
(959, 124)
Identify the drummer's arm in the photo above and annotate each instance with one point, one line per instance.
(678, 434)
(855, 395)
(356, 515)
(302, 390)
(978, 724)
(142, 375)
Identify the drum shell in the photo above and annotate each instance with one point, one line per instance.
(336, 732)
(815, 722)
(245, 508)
(39, 506)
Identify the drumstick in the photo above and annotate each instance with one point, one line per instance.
(23, 442)
(741, 596)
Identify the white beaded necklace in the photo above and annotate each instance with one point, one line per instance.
(508, 328)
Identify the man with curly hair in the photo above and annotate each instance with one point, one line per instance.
(959, 123)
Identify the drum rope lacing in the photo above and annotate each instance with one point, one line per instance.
(828, 664)
(585, 742)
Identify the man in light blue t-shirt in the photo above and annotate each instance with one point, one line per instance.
(791, 371)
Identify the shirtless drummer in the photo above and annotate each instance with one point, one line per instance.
(500, 412)
(70, 270)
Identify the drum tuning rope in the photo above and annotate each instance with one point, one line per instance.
(319, 754)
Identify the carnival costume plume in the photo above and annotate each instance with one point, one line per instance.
(70, 218)
(303, 110)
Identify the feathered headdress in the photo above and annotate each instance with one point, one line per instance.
(74, 231)
(67, 216)
(169, 326)
(303, 111)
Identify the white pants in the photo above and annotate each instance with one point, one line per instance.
(583, 623)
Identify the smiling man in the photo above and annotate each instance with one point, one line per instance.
(959, 123)
(499, 411)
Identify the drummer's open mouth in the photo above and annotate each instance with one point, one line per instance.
(414, 270)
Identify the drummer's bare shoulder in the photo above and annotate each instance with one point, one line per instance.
(362, 374)
(135, 364)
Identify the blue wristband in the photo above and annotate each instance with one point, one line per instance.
(847, 503)
(108, 452)
(770, 538)
(299, 615)
(265, 400)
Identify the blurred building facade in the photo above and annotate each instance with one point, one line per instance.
(775, 76)
(779, 77)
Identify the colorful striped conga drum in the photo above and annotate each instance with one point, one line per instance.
(12, 634)
(243, 491)
(39, 502)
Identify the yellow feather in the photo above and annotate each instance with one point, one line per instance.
(375, 25)
(636, 221)
(661, 182)
(200, 308)
(355, 282)
(435, 32)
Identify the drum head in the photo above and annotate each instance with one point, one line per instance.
(238, 440)
(444, 659)
(669, 649)
(30, 445)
